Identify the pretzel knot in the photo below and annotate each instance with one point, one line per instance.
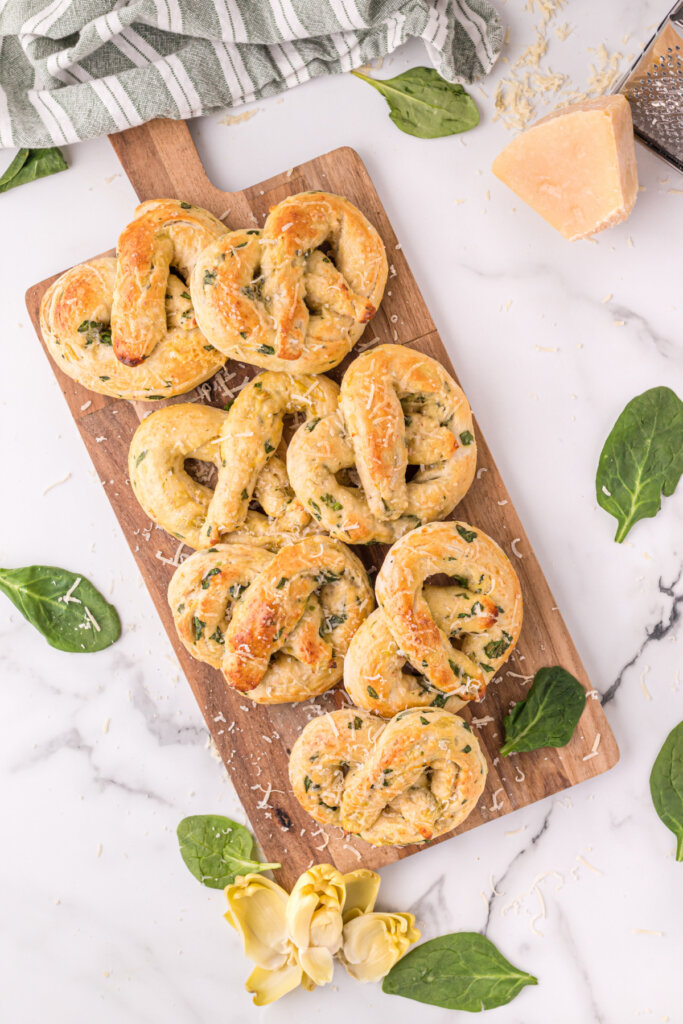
(297, 295)
(392, 783)
(245, 446)
(278, 626)
(103, 318)
(436, 645)
(75, 320)
(164, 233)
(399, 409)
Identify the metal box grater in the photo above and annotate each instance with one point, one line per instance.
(654, 88)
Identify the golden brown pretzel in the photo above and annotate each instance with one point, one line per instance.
(392, 783)
(454, 637)
(164, 233)
(75, 320)
(251, 436)
(278, 626)
(399, 408)
(246, 447)
(276, 299)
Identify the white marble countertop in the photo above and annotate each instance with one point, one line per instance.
(101, 756)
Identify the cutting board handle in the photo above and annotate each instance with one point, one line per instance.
(162, 162)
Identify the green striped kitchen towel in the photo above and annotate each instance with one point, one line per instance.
(75, 69)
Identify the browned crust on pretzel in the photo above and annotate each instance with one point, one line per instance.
(404, 781)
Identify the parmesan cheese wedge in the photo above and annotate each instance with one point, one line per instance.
(576, 167)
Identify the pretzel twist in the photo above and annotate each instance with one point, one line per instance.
(399, 408)
(246, 448)
(164, 233)
(435, 645)
(104, 318)
(75, 320)
(278, 626)
(276, 299)
(250, 437)
(392, 783)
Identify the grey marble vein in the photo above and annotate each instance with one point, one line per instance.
(430, 909)
(576, 959)
(665, 626)
(545, 824)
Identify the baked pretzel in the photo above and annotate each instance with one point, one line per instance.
(75, 320)
(392, 783)
(278, 626)
(278, 299)
(164, 233)
(435, 645)
(245, 445)
(250, 437)
(399, 408)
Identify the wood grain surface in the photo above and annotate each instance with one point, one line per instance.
(253, 740)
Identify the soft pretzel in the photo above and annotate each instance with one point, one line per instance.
(435, 645)
(164, 233)
(278, 626)
(75, 320)
(246, 447)
(297, 295)
(392, 783)
(250, 437)
(399, 408)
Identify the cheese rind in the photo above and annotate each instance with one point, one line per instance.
(576, 167)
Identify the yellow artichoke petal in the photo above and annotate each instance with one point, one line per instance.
(362, 887)
(314, 908)
(326, 928)
(318, 964)
(257, 908)
(267, 986)
(299, 914)
(374, 942)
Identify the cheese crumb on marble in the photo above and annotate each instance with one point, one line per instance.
(56, 483)
(586, 864)
(528, 85)
(233, 119)
(516, 831)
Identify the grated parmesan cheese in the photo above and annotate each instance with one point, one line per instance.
(495, 806)
(56, 483)
(68, 598)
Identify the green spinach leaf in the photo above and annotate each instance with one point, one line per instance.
(462, 971)
(30, 164)
(666, 785)
(69, 611)
(642, 458)
(548, 715)
(424, 104)
(217, 850)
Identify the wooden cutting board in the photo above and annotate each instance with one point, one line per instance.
(253, 740)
